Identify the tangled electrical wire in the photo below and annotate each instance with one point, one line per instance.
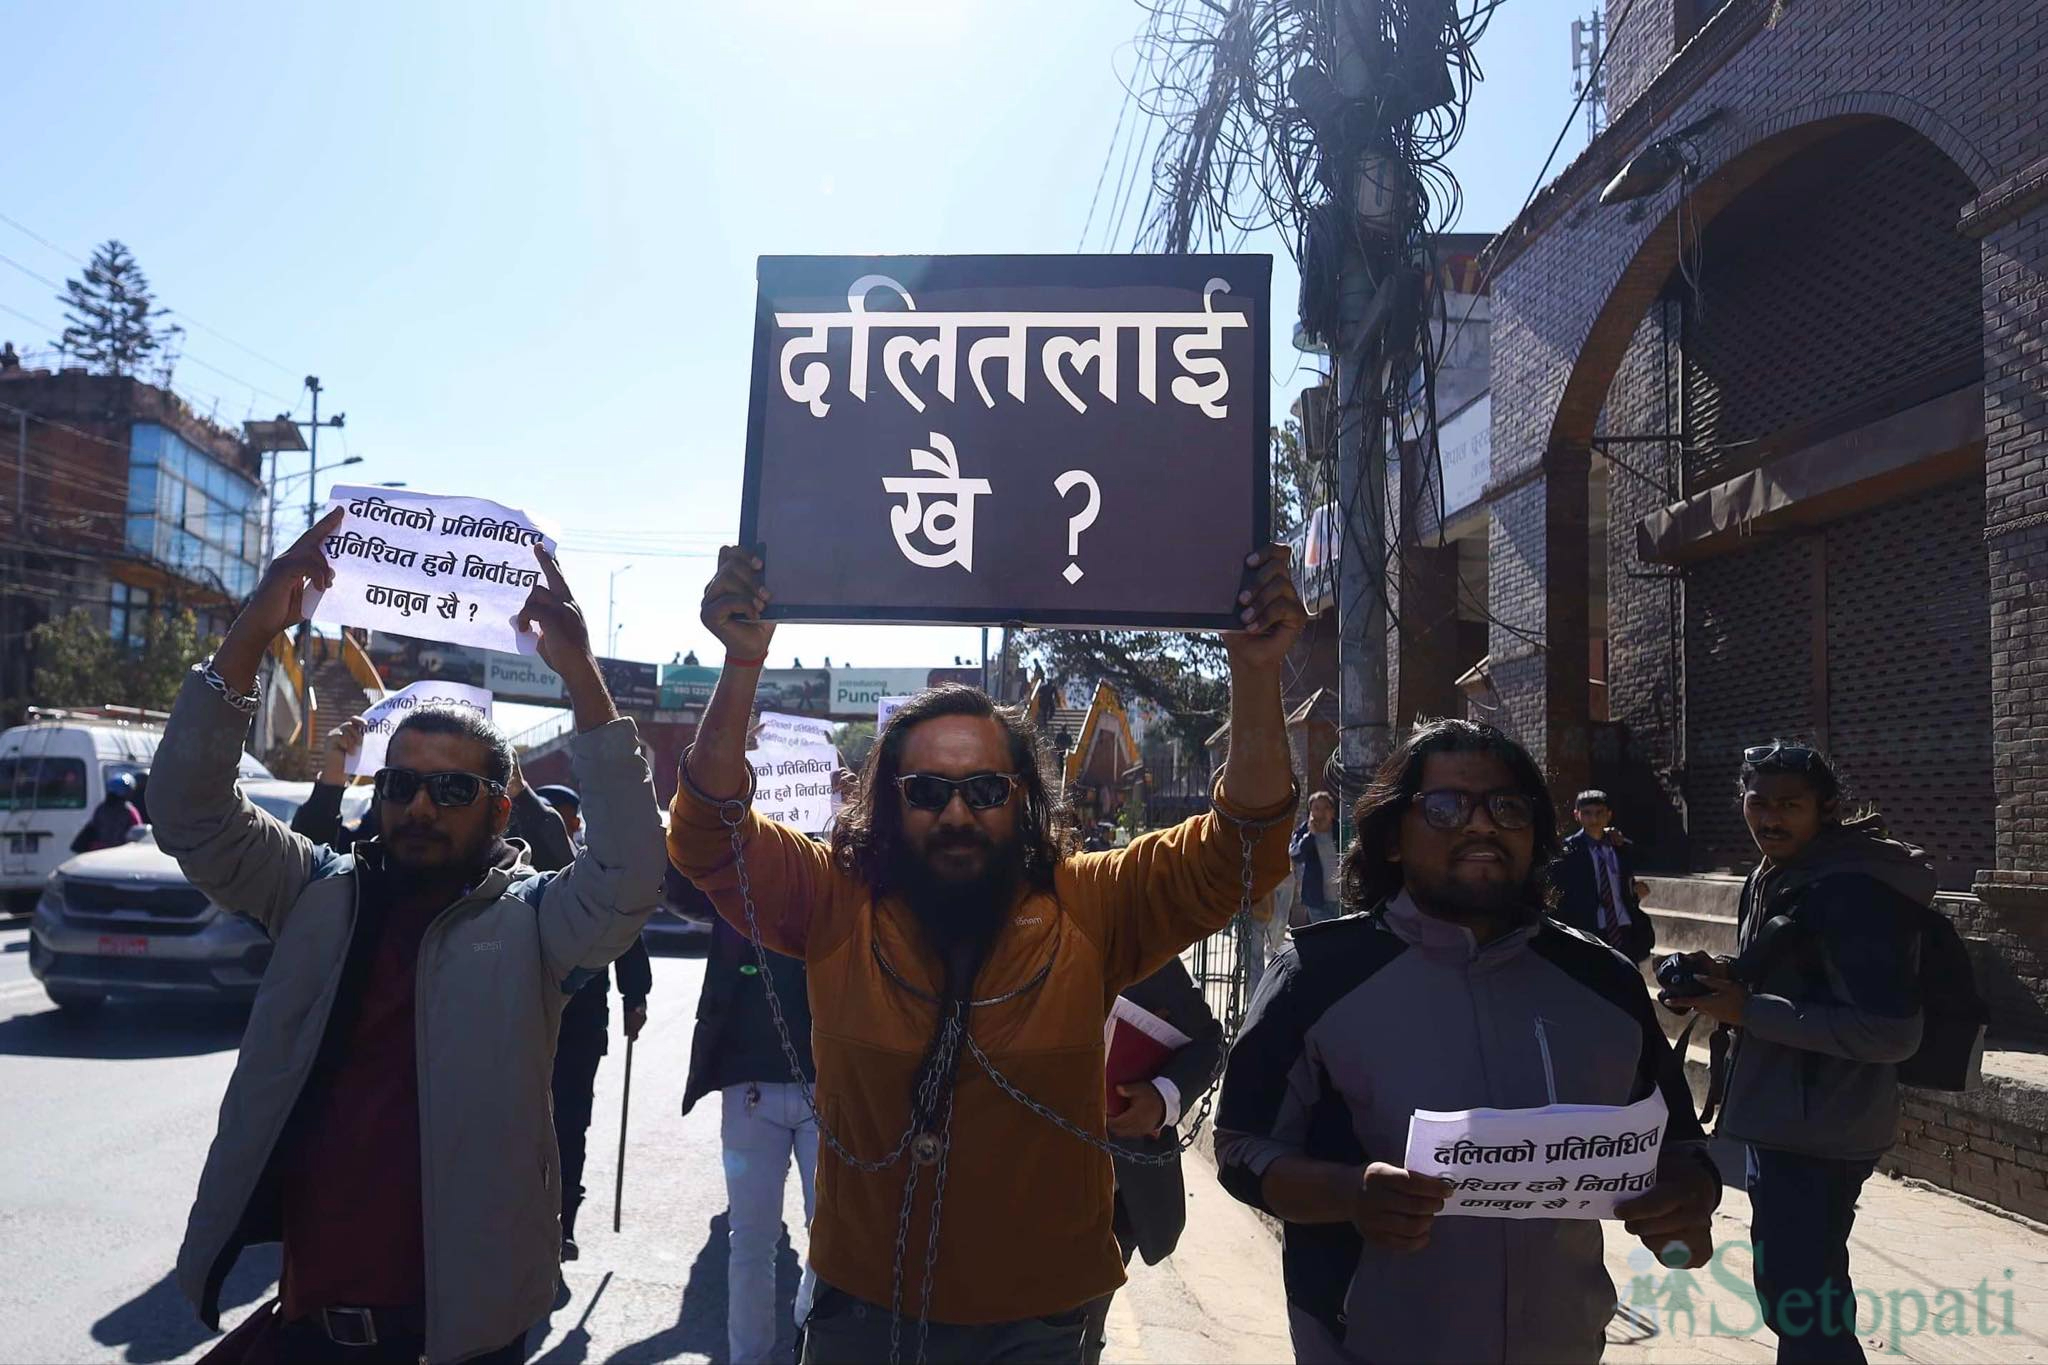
(1260, 115)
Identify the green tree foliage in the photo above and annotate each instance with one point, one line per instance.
(1183, 674)
(112, 313)
(78, 664)
(854, 740)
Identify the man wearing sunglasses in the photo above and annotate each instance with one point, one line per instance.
(1453, 991)
(952, 936)
(388, 1114)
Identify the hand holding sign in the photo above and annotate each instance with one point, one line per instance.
(1677, 1215)
(733, 603)
(564, 636)
(1271, 610)
(277, 605)
(1395, 1208)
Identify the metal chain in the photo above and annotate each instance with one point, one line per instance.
(953, 1032)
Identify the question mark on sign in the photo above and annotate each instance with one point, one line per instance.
(472, 611)
(1082, 519)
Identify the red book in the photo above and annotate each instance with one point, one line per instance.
(1137, 1044)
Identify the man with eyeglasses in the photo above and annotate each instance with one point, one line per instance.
(1453, 991)
(387, 1119)
(957, 945)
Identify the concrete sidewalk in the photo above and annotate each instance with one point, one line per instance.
(1920, 1255)
(1939, 1278)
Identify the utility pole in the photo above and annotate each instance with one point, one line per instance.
(611, 606)
(313, 457)
(1367, 279)
(1588, 69)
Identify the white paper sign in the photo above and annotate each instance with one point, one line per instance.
(382, 719)
(793, 784)
(776, 728)
(1558, 1161)
(428, 566)
(887, 707)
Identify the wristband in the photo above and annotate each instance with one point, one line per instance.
(731, 662)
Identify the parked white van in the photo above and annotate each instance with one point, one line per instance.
(54, 771)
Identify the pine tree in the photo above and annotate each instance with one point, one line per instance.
(111, 313)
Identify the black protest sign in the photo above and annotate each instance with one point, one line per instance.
(1059, 440)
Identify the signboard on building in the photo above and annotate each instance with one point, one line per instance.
(1075, 440)
(402, 661)
(1466, 445)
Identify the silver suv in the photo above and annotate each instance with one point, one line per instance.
(126, 920)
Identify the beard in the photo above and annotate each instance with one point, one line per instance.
(960, 917)
(1465, 900)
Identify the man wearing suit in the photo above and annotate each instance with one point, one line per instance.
(1596, 881)
(1151, 1201)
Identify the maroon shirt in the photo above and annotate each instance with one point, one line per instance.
(349, 1167)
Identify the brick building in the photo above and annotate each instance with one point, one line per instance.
(117, 498)
(1806, 344)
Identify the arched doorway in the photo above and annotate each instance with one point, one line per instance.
(1791, 429)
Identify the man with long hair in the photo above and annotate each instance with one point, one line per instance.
(1454, 991)
(962, 961)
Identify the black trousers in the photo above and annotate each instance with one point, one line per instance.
(1802, 1209)
(576, 1060)
(844, 1330)
(304, 1343)
(1095, 1335)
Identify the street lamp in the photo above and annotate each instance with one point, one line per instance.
(611, 632)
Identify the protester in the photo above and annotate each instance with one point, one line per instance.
(568, 806)
(586, 1019)
(1318, 874)
(1151, 1201)
(1596, 882)
(319, 816)
(388, 1113)
(111, 820)
(764, 1118)
(1819, 1019)
(1452, 991)
(950, 938)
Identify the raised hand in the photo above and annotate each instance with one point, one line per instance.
(278, 604)
(734, 601)
(1271, 610)
(564, 637)
(343, 740)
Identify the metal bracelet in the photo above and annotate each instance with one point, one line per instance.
(731, 809)
(245, 702)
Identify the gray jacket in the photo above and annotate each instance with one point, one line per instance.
(1813, 1069)
(494, 971)
(1365, 1019)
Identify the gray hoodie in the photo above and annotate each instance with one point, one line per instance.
(1813, 1069)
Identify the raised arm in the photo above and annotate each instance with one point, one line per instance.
(789, 876)
(1166, 890)
(245, 860)
(592, 910)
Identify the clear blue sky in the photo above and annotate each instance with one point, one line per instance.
(516, 239)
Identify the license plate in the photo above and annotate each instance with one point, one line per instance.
(124, 945)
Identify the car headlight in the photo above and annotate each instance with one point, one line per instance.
(52, 901)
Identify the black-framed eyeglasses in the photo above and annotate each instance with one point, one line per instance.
(1796, 756)
(400, 785)
(1451, 808)
(981, 791)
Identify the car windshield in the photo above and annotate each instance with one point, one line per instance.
(36, 782)
(283, 807)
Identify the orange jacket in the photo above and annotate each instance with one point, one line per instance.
(1025, 1226)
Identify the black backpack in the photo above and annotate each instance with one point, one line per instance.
(1951, 1054)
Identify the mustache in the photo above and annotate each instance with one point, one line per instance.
(1473, 845)
(958, 838)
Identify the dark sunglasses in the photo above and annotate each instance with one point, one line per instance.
(1449, 808)
(1797, 756)
(400, 785)
(982, 791)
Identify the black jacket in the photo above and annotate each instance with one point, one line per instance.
(1154, 1199)
(1310, 888)
(1578, 897)
(735, 1042)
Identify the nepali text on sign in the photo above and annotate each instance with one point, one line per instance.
(987, 439)
(439, 568)
(1557, 1161)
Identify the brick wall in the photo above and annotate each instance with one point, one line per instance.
(1639, 49)
(1990, 1145)
(1575, 280)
